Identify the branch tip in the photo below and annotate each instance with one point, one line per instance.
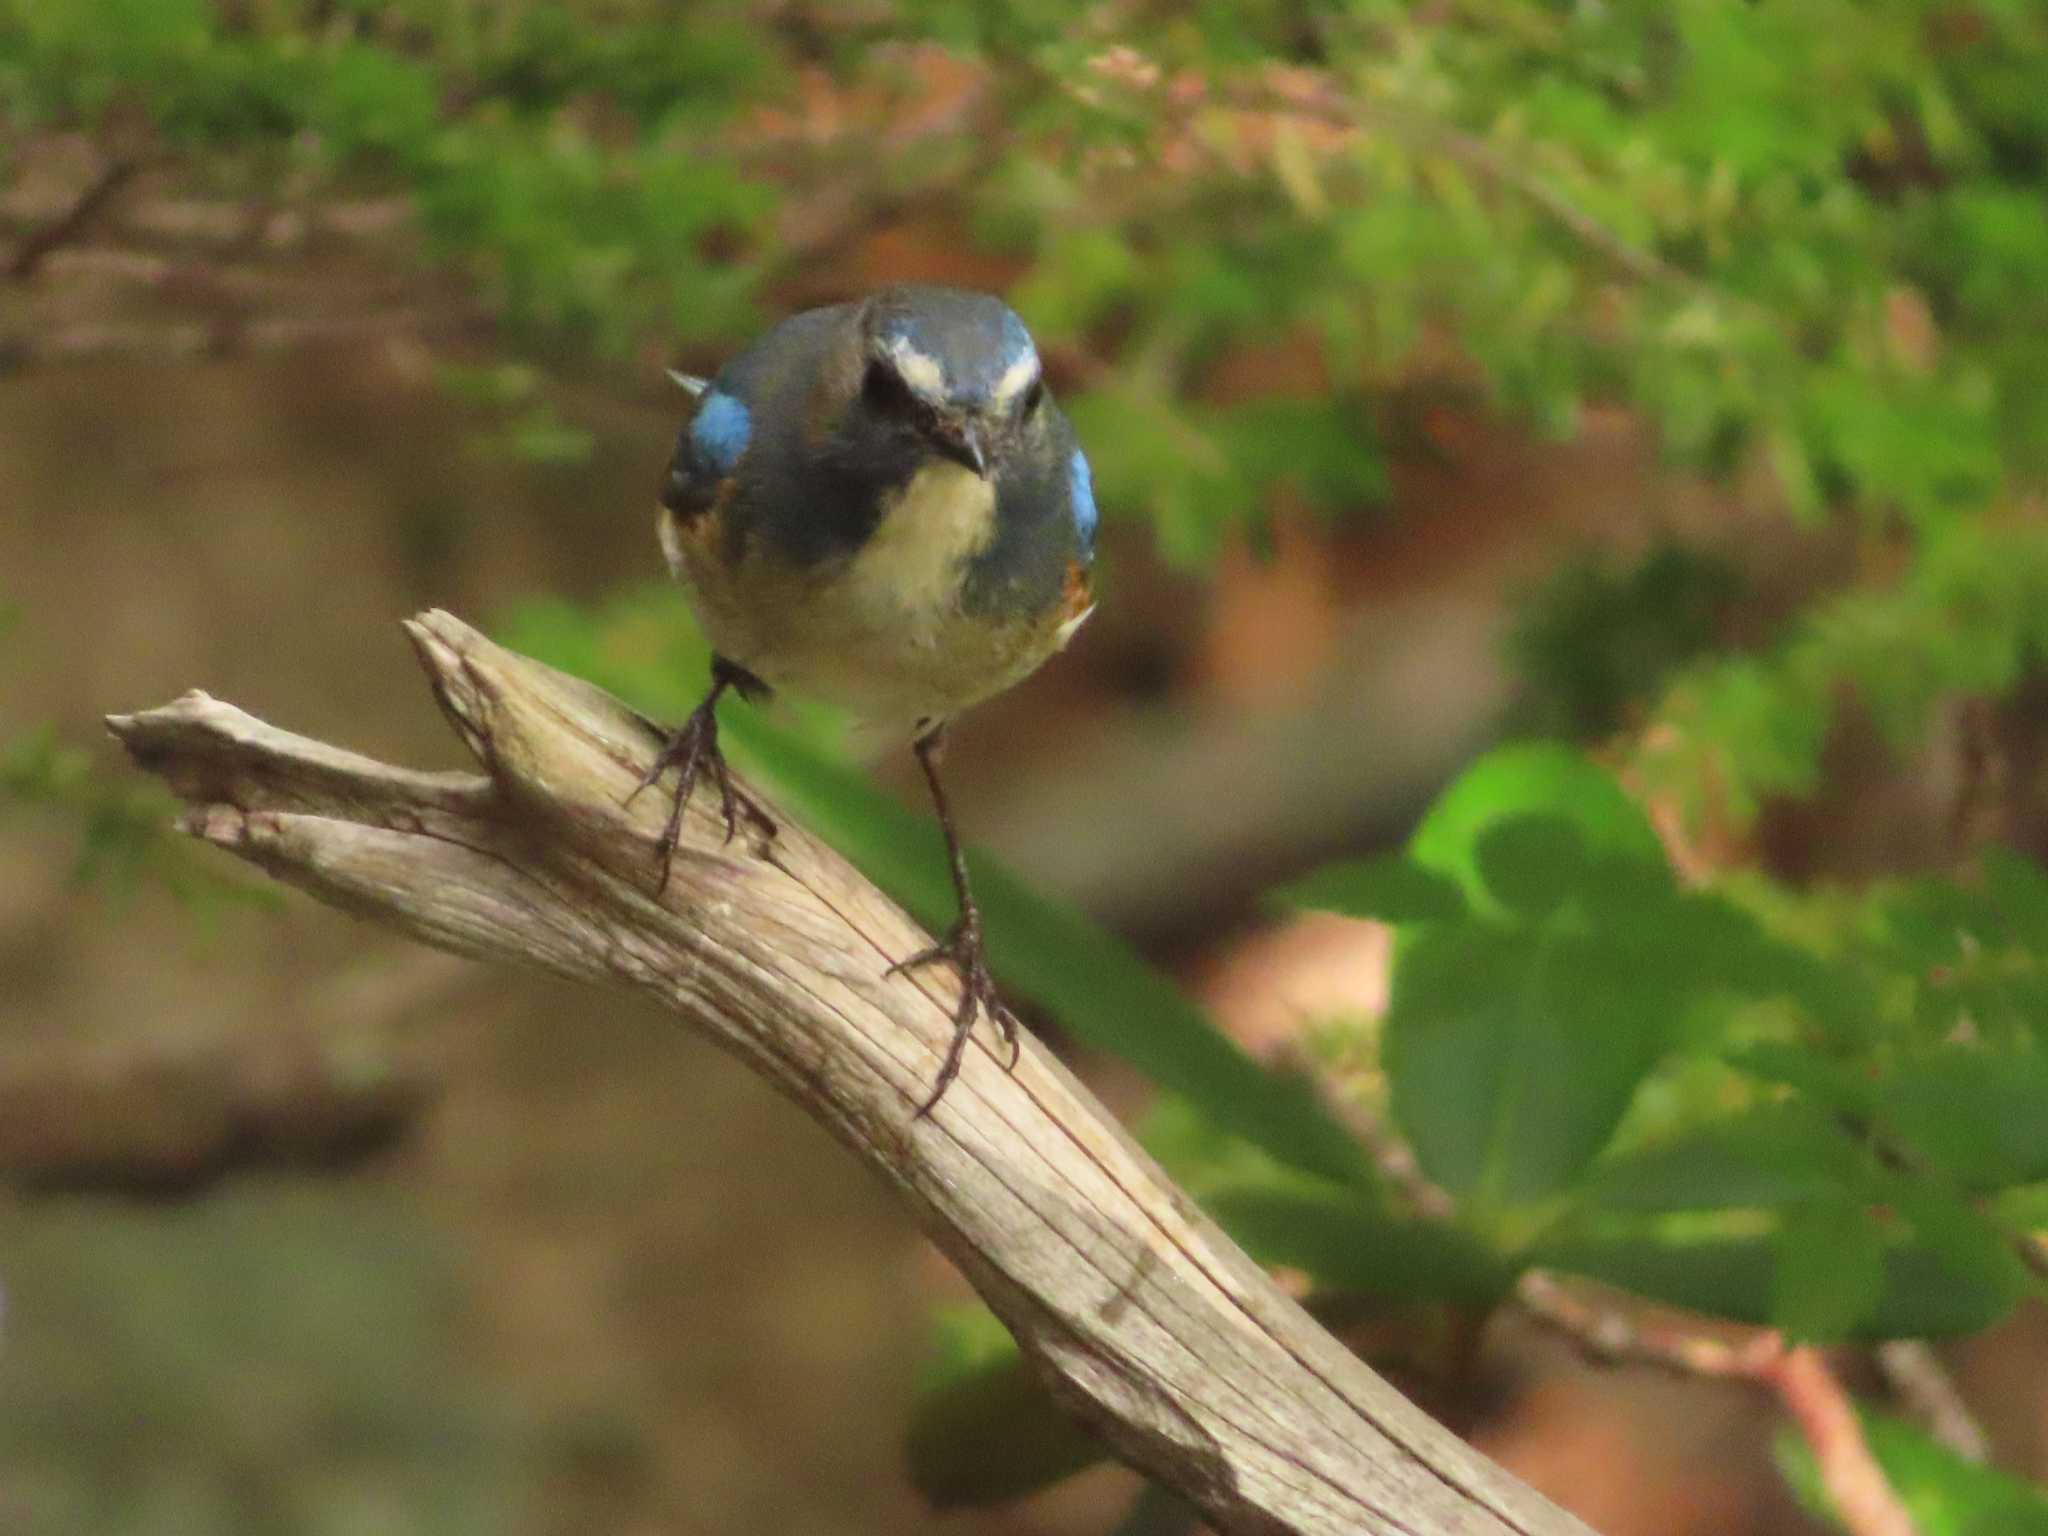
(224, 826)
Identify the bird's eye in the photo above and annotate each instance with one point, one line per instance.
(1034, 396)
(884, 390)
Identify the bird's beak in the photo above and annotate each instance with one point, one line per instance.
(962, 444)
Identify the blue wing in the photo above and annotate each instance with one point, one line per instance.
(1081, 498)
(707, 452)
(758, 395)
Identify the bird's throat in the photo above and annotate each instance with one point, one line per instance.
(915, 562)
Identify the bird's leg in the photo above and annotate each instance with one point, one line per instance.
(962, 944)
(694, 749)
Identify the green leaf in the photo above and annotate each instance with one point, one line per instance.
(1979, 1115)
(1923, 1296)
(1530, 778)
(1199, 1155)
(1944, 1494)
(1159, 1511)
(1531, 863)
(1088, 979)
(1392, 889)
(1547, 783)
(1935, 922)
(1958, 1272)
(1347, 1243)
(1767, 1156)
(1824, 1078)
(990, 1434)
(1511, 1058)
(2019, 888)
(1829, 1270)
(1926, 1296)
(1722, 1277)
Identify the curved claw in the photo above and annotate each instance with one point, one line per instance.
(962, 949)
(694, 747)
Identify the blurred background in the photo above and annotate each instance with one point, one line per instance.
(1666, 382)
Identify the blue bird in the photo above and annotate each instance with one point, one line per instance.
(877, 503)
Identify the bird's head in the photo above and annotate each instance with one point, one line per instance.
(953, 368)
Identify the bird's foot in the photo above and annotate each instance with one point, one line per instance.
(962, 949)
(694, 750)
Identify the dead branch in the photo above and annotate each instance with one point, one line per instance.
(1143, 1319)
(339, 1079)
(1923, 1384)
(228, 337)
(41, 241)
(222, 222)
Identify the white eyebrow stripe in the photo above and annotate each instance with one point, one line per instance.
(919, 370)
(1016, 378)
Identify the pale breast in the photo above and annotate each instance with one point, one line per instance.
(882, 633)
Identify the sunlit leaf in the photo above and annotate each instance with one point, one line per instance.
(1390, 890)
(1530, 779)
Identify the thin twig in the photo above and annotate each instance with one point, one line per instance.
(39, 243)
(222, 338)
(1857, 1487)
(1394, 1158)
(1811, 1394)
(1613, 1336)
(1925, 1387)
(2032, 1247)
(229, 222)
(207, 279)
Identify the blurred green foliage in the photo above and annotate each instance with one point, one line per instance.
(589, 229)
(1943, 1494)
(1805, 242)
(1832, 1127)
(1597, 641)
(1616, 1076)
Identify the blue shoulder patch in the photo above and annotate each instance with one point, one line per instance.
(1081, 489)
(721, 429)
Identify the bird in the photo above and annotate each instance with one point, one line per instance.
(878, 503)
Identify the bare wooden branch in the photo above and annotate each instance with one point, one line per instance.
(1916, 1374)
(43, 240)
(336, 1079)
(1143, 1319)
(226, 337)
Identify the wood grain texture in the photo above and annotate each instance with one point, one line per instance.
(1142, 1317)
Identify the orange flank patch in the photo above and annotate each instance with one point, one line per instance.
(1079, 595)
